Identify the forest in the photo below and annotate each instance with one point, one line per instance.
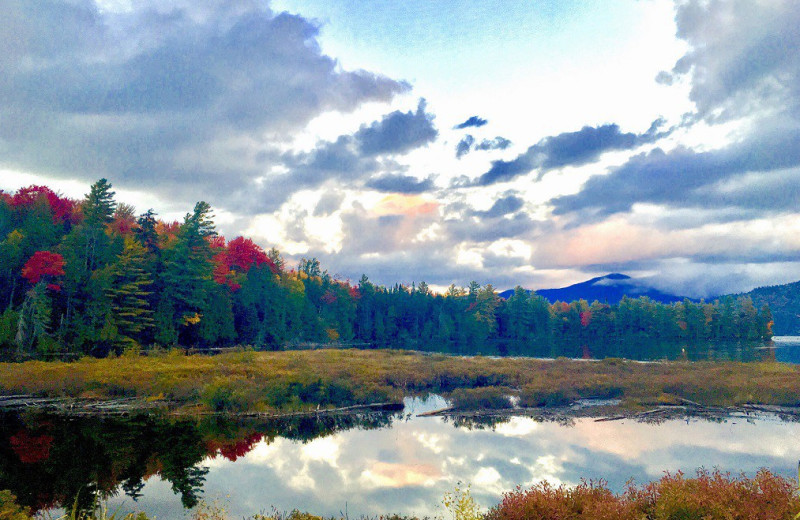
(91, 277)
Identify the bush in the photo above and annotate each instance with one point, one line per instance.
(10, 510)
(535, 398)
(490, 397)
(226, 396)
(709, 496)
(461, 505)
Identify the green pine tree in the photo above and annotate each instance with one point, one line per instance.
(129, 292)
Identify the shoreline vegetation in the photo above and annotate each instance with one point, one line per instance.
(708, 495)
(286, 382)
(90, 277)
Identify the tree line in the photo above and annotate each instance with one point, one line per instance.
(92, 277)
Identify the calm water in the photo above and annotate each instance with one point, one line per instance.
(783, 348)
(369, 464)
(786, 349)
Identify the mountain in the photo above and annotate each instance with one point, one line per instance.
(784, 303)
(608, 289)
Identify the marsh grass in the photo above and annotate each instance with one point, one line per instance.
(302, 380)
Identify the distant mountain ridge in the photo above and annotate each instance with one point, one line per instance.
(784, 303)
(783, 300)
(607, 289)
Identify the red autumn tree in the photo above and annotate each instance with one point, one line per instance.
(236, 259)
(243, 253)
(63, 208)
(43, 264)
(586, 318)
(31, 449)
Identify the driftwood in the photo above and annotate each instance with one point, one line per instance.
(616, 413)
(127, 405)
(376, 407)
(76, 406)
(433, 413)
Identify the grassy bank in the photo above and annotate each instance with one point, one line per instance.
(301, 380)
(709, 496)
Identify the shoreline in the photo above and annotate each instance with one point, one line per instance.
(132, 407)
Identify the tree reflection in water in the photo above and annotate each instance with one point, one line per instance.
(54, 461)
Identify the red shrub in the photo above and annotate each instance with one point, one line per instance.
(708, 496)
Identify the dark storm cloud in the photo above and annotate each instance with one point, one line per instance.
(397, 132)
(566, 149)
(400, 184)
(184, 98)
(675, 177)
(473, 121)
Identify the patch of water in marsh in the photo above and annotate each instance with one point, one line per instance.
(406, 468)
(367, 464)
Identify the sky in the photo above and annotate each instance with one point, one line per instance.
(512, 143)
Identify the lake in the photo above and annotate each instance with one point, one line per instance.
(784, 349)
(362, 464)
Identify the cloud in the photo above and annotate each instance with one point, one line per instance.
(743, 56)
(391, 226)
(489, 229)
(188, 99)
(397, 132)
(566, 149)
(498, 143)
(473, 121)
(400, 184)
(329, 202)
(680, 176)
(464, 145)
(337, 159)
(502, 206)
(353, 157)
